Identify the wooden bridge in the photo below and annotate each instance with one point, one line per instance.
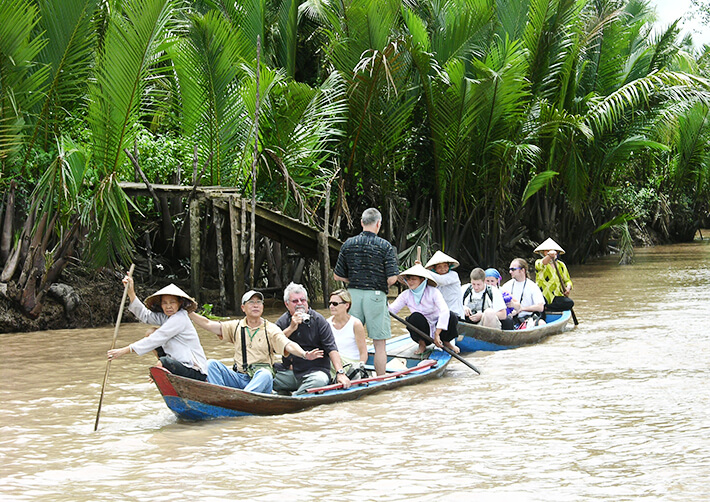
(306, 240)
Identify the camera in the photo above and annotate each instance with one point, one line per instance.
(305, 316)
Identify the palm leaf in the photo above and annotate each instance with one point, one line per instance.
(68, 55)
(537, 183)
(608, 112)
(208, 64)
(22, 81)
(132, 55)
(287, 41)
(61, 186)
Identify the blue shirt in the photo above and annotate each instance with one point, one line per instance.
(314, 335)
(367, 260)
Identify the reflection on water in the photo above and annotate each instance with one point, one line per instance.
(616, 409)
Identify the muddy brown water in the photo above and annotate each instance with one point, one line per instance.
(616, 409)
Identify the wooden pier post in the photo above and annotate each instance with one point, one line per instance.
(243, 241)
(237, 257)
(195, 249)
(218, 219)
(325, 272)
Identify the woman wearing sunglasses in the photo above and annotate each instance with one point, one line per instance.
(526, 296)
(348, 331)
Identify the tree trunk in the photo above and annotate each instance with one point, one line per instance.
(7, 225)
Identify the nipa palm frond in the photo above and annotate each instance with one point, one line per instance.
(132, 55)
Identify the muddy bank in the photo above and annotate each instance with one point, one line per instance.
(98, 297)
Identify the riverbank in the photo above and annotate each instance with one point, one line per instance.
(99, 296)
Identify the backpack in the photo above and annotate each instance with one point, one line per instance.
(487, 292)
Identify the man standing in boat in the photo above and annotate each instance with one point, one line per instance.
(552, 277)
(311, 331)
(256, 341)
(368, 264)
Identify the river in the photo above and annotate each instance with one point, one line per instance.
(616, 409)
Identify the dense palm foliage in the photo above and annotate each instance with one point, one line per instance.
(475, 124)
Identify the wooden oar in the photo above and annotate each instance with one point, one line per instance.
(429, 339)
(562, 282)
(113, 345)
(387, 376)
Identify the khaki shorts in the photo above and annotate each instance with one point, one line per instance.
(370, 306)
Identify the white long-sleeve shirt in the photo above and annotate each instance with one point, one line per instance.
(450, 286)
(176, 335)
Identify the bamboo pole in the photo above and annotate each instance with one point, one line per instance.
(113, 345)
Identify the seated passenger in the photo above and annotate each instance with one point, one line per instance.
(429, 312)
(348, 331)
(493, 279)
(527, 297)
(311, 331)
(176, 337)
(447, 280)
(483, 304)
(256, 341)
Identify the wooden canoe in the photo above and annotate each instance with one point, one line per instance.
(473, 337)
(194, 400)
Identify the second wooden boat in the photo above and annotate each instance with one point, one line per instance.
(473, 337)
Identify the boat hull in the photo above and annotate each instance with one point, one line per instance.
(194, 400)
(474, 338)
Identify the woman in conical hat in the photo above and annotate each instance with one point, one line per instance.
(552, 276)
(176, 336)
(549, 245)
(153, 302)
(449, 283)
(430, 313)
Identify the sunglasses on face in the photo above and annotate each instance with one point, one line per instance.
(515, 268)
(299, 300)
(335, 304)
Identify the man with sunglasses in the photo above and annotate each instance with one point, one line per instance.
(311, 331)
(527, 299)
(256, 342)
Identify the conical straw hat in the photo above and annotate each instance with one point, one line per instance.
(549, 245)
(170, 289)
(420, 271)
(440, 257)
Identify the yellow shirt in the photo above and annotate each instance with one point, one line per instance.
(255, 341)
(548, 281)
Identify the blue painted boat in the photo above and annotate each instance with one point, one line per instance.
(473, 337)
(194, 400)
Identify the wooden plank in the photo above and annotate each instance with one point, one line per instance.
(141, 189)
(421, 366)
